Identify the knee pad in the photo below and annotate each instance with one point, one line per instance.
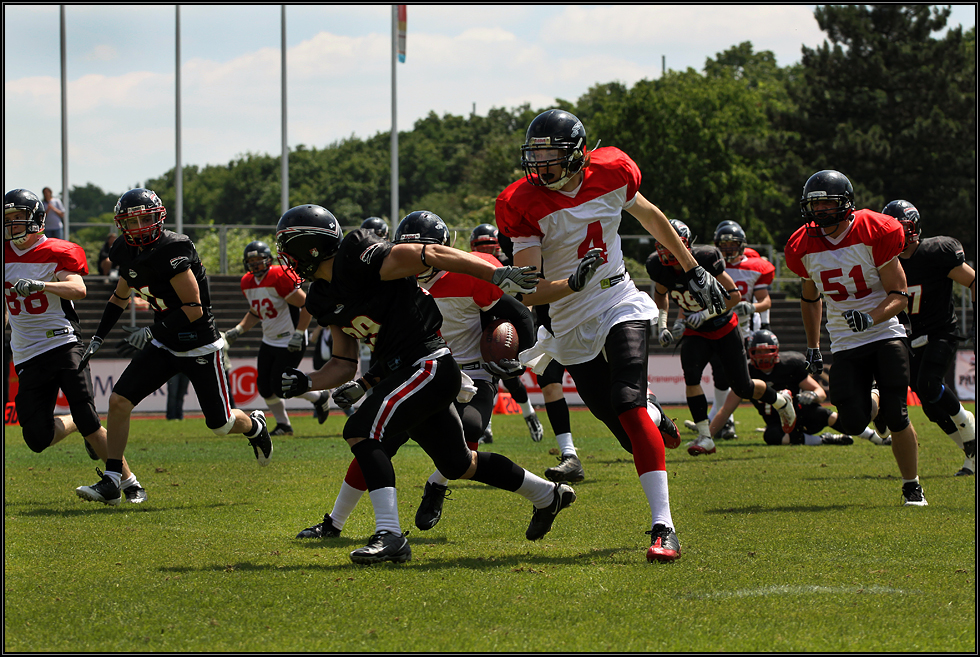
(224, 428)
(931, 390)
(894, 413)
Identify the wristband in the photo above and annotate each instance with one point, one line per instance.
(802, 298)
(904, 294)
(349, 360)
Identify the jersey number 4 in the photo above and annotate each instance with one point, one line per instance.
(35, 304)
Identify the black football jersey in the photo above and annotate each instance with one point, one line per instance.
(711, 259)
(148, 273)
(788, 374)
(930, 287)
(395, 319)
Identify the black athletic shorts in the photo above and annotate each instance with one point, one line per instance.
(272, 362)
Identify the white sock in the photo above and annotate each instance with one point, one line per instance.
(385, 502)
(720, 397)
(654, 485)
(911, 481)
(703, 428)
(129, 481)
(565, 444)
(115, 476)
(438, 478)
(278, 410)
(962, 420)
(526, 408)
(311, 396)
(867, 434)
(810, 439)
(539, 492)
(956, 438)
(347, 499)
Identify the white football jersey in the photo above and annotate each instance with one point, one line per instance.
(267, 298)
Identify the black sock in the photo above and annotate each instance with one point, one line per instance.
(698, 407)
(558, 416)
(498, 471)
(113, 465)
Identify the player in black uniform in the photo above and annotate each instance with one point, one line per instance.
(786, 371)
(163, 267)
(707, 334)
(931, 265)
(486, 239)
(364, 289)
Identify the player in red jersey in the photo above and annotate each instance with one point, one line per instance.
(849, 258)
(42, 276)
(276, 300)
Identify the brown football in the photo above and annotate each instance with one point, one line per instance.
(499, 341)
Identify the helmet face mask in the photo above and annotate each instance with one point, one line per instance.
(139, 215)
(555, 149)
(257, 258)
(422, 227)
(23, 216)
(907, 215)
(306, 236)
(684, 233)
(730, 240)
(763, 350)
(827, 200)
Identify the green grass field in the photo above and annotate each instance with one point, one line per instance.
(784, 549)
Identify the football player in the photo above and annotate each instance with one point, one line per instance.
(163, 268)
(276, 300)
(378, 225)
(364, 288)
(566, 213)
(931, 265)
(850, 258)
(485, 239)
(42, 277)
(707, 334)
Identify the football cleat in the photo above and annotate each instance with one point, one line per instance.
(727, 432)
(542, 519)
(104, 491)
(970, 462)
(569, 469)
(836, 439)
(261, 443)
(91, 452)
(430, 510)
(664, 546)
(701, 445)
(383, 546)
(912, 495)
(282, 430)
(322, 407)
(325, 529)
(787, 414)
(690, 426)
(668, 430)
(968, 429)
(487, 436)
(534, 426)
(134, 494)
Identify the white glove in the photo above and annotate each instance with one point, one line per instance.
(140, 338)
(346, 395)
(678, 327)
(744, 309)
(90, 350)
(297, 341)
(28, 286)
(516, 280)
(232, 334)
(695, 320)
(666, 338)
(467, 390)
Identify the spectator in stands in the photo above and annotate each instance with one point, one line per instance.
(54, 215)
(106, 266)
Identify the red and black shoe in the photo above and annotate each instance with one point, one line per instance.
(664, 546)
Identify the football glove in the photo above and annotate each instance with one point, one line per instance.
(297, 341)
(706, 290)
(347, 394)
(516, 280)
(294, 382)
(695, 320)
(814, 361)
(505, 368)
(806, 398)
(90, 350)
(586, 269)
(28, 286)
(744, 309)
(140, 338)
(232, 334)
(666, 338)
(857, 320)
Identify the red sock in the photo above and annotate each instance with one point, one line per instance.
(648, 445)
(474, 447)
(355, 478)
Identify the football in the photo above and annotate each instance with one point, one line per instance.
(499, 341)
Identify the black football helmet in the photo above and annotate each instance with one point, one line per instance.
(378, 225)
(485, 239)
(730, 240)
(306, 236)
(826, 185)
(907, 215)
(22, 200)
(422, 227)
(763, 349)
(666, 257)
(257, 249)
(554, 137)
(135, 204)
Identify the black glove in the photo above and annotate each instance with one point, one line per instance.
(93, 347)
(140, 338)
(857, 320)
(346, 395)
(294, 382)
(706, 290)
(516, 280)
(124, 348)
(586, 269)
(806, 397)
(505, 369)
(814, 361)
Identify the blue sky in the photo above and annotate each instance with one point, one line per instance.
(121, 82)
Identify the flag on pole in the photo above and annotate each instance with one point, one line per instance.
(402, 16)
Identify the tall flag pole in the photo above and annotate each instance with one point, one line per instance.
(284, 198)
(179, 167)
(64, 128)
(398, 26)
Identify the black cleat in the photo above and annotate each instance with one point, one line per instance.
(383, 546)
(261, 443)
(668, 430)
(487, 436)
(542, 519)
(664, 546)
(105, 491)
(322, 407)
(836, 439)
(970, 462)
(134, 494)
(91, 452)
(430, 510)
(325, 529)
(282, 430)
(534, 426)
(727, 432)
(569, 469)
(912, 495)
